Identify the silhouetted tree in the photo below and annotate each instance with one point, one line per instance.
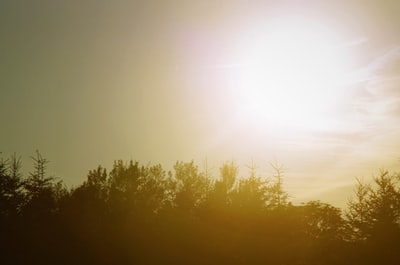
(11, 186)
(323, 221)
(140, 214)
(374, 219)
(252, 194)
(191, 186)
(11, 201)
(279, 197)
(220, 192)
(385, 213)
(358, 213)
(39, 188)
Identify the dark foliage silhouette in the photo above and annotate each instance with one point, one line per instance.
(136, 214)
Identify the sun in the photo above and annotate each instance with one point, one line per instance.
(293, 72)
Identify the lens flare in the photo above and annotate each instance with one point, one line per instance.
(294, 73)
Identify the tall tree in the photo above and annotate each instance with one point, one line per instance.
(279, 196)
(191, 186)
(374, 219)
(11, 186)
(40, 189)
(358, 212)
(252, 194)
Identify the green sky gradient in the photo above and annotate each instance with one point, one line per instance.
(87, 82)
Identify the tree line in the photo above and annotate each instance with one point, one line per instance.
(143, 214)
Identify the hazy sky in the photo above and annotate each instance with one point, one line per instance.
(88, 82)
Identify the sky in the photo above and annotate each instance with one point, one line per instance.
(89, 82)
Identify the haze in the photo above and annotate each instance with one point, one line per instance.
(90, 82)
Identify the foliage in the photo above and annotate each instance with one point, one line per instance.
(11, 184)
(137, 214)
(374, 218)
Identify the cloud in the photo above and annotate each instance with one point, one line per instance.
(366, 135)
(378, 95)
(354, 43)
(385, 63)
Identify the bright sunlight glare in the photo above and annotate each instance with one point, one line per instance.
(294, 72)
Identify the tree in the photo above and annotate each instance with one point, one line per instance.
(41, 199)
(323, 221)
(252, 194)
(384, 201)
(11, 186)
(11, 200)
(37, 181)
(324, 230)
(384, 217)
(41, 228)
(90, 198)
(278, 196)
(191, 186)
(376, 209)
(374, 219)
(358, 213)
(223, 187)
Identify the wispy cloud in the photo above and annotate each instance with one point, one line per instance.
(379, 96)
(383, 64)
(354, 42)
